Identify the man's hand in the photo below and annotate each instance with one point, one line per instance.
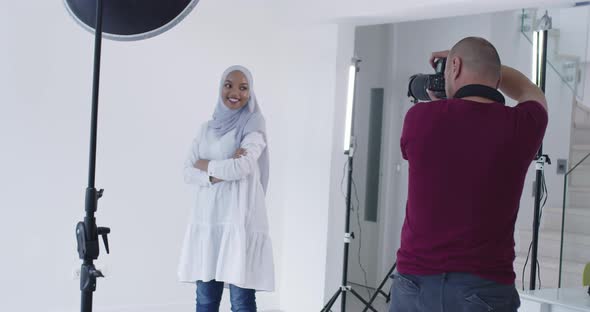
(432, 96)
(438, 55)
(202, 164)
(433, 57)
(239, 153)
(215, 180)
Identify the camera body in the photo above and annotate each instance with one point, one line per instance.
(419, 83)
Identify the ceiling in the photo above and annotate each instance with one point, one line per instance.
(370, 11)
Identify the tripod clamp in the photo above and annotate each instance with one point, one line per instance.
(540, 161)
(87, 239)
(348, 237)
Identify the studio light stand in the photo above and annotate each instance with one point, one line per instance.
(86, 232)
(123, 20)
(539, 75)
(349, 151)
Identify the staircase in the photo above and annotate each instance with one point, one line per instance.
(581, 127)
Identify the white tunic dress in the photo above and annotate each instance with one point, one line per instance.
(227, 236)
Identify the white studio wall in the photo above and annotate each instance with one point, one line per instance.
(154, 96)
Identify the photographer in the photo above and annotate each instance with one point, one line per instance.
(468, 157)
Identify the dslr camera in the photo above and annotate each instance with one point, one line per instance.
(419, 83)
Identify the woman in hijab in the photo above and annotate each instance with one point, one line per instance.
(227, 240)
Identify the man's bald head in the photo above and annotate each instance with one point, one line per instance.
(479, 63)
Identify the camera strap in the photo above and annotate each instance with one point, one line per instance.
(481, 91)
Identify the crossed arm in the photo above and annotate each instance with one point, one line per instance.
(207, 172)
(203, 164)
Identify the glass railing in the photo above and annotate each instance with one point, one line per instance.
(575, 219)
(567, 42)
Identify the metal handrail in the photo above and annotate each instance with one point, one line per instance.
(579, 163)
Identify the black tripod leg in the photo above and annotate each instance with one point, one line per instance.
(387, 296)
(330, 303)
(379, 289)
(365, 302)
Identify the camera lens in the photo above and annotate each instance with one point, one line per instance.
(417, 87)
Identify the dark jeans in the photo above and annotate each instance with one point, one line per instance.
(209, 297)
(451, 292)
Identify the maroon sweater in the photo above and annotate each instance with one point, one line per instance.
(467, 165)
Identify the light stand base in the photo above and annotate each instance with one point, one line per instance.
(348, 236)
(342, 291)
(380, 291)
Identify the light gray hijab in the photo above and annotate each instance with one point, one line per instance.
(246, 120)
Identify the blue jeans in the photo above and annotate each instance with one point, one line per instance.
(451, 292)
(209, 297)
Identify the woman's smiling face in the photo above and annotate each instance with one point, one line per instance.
(236, 90)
